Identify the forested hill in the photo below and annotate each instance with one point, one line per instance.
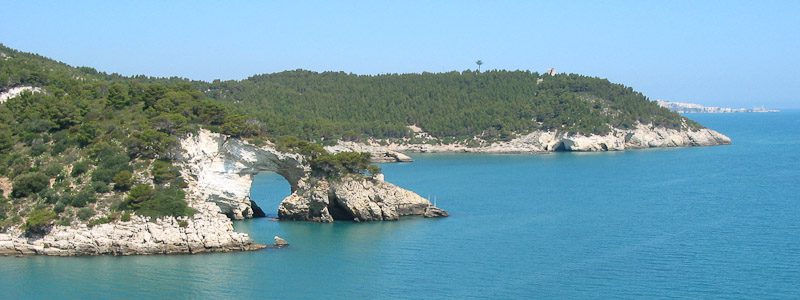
(457, 105)
(86, 143)
(78, 145)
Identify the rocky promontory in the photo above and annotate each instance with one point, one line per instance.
(356, 199)
(219, 171)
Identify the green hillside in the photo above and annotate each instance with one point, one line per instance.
(493, 105)
(93, 143)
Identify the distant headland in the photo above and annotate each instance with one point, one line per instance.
(688, 108)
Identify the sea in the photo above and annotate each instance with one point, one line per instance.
(698, 223)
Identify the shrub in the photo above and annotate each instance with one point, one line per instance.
(59, 207)
(103, 175)
(85, 213)
(38, 148)
(123, 180)
(103, 220)
(79, 168)
(82, 198)
(100, 187)
(146, 201)
(163, 172)
(39, 221)
(53, 170)
(335, 165)
(29, 183)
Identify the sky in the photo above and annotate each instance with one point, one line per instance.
(729, 53)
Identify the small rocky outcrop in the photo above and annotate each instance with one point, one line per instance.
(353, 199)
(5, 95)
(280, 242)
(434, 212)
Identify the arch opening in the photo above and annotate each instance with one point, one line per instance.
(266, 193)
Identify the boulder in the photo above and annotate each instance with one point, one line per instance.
(280, 242)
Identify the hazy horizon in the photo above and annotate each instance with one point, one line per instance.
(733, 54)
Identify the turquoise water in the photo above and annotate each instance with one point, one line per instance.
(713, 222)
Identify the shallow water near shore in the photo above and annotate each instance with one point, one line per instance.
(691, 222)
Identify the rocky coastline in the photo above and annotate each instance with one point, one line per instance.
(641, 137)
(219, 172)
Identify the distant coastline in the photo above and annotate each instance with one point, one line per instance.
(688, 108)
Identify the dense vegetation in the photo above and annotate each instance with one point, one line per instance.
(451, 106)
(97, 144)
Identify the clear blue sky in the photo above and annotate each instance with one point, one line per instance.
(713, 52)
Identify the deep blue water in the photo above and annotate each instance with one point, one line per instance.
(711, 222)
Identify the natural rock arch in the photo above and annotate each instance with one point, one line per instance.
(220, 169)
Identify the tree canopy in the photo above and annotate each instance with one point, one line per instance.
(332, 106)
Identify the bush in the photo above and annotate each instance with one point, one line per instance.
(163, 172)
(343, 163)
(100, 187)
(150, 144)
(103, 220)
(79, 168)
(102, 175)
(39, 221)
(29, 183)
(125, 217)
(85, 213)
(123, 180)
(146, 201)
(53, 170)
(82, 198)
(4, 207)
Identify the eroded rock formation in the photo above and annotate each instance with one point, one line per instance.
(355, 199)
(219, 172)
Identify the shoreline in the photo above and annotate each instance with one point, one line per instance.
(541, 142)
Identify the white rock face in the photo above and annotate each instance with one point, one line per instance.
(16, 91)
(220, 169)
